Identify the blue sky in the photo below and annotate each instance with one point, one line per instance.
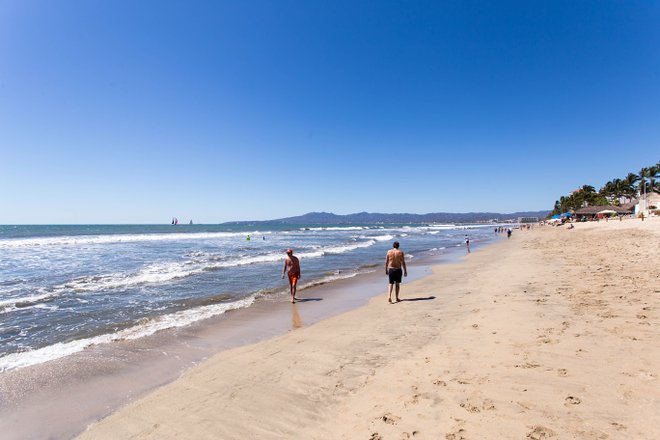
(138, 111)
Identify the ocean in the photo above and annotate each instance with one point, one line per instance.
(65, 288)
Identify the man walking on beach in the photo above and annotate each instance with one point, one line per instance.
(292, 264)
(394, 262)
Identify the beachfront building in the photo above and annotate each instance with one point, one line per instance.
(648, 204)
(528, 219)
(593, 212)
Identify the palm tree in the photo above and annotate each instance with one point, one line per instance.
(619, 189)
(586, 195)
(633, 185)
(606, 191)
(641, 187)
(629, 183)
(557, 209)
(653, 175)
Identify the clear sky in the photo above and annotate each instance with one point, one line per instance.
(137, 111)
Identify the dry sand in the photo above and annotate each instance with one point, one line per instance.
(553, 333)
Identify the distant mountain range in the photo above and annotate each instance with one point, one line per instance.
(328, 218)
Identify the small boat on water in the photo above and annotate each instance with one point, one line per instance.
(175, 221)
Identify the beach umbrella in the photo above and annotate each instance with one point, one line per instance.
(556, 216)
(566, 214)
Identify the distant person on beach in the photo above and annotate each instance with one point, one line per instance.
(467, 243)
(395, 266)
(508, 232)
(292, 264)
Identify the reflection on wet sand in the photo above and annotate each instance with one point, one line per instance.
(295, 317)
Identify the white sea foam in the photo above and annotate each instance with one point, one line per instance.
(336, 228)
(443, 227)
(277, 256)
(152, 274)
(329, 278)
(149, 327)
(381, 237)
(77, 240)
(348, 247)
(159, 273)
(10, 304)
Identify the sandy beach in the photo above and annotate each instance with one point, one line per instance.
(550, 334)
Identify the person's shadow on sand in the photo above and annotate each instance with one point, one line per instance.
(417, 299)
(300, 300)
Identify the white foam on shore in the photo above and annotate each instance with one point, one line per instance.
(328, 279)
(152, 274)
(149, 327)
(348, 247)
(7, 305)
(76, 240)
(379, 237)
(337, 228)
(164, 272)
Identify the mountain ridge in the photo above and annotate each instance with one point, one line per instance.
(329, 218)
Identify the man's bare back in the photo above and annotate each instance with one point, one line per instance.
(395, 259)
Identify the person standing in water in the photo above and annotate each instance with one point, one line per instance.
(395, 266)
(467, 243)
(292, 264)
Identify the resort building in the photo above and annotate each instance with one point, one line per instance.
(648, 204)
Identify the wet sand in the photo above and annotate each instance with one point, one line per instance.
(551, 334)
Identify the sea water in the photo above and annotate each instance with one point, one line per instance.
(64, 288)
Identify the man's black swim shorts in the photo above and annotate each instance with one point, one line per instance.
(395, 275)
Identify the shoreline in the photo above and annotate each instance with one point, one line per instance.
(516, 341)
(109, 376)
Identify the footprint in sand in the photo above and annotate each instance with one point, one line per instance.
(488, 405)
(457, 435)
(563, 372)
(619, 426)
(414, 400)
(375, 436)
(527, 365)
(390, 419)
(540, 432)
(475, 407)
(469, 407)
(572, 400)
